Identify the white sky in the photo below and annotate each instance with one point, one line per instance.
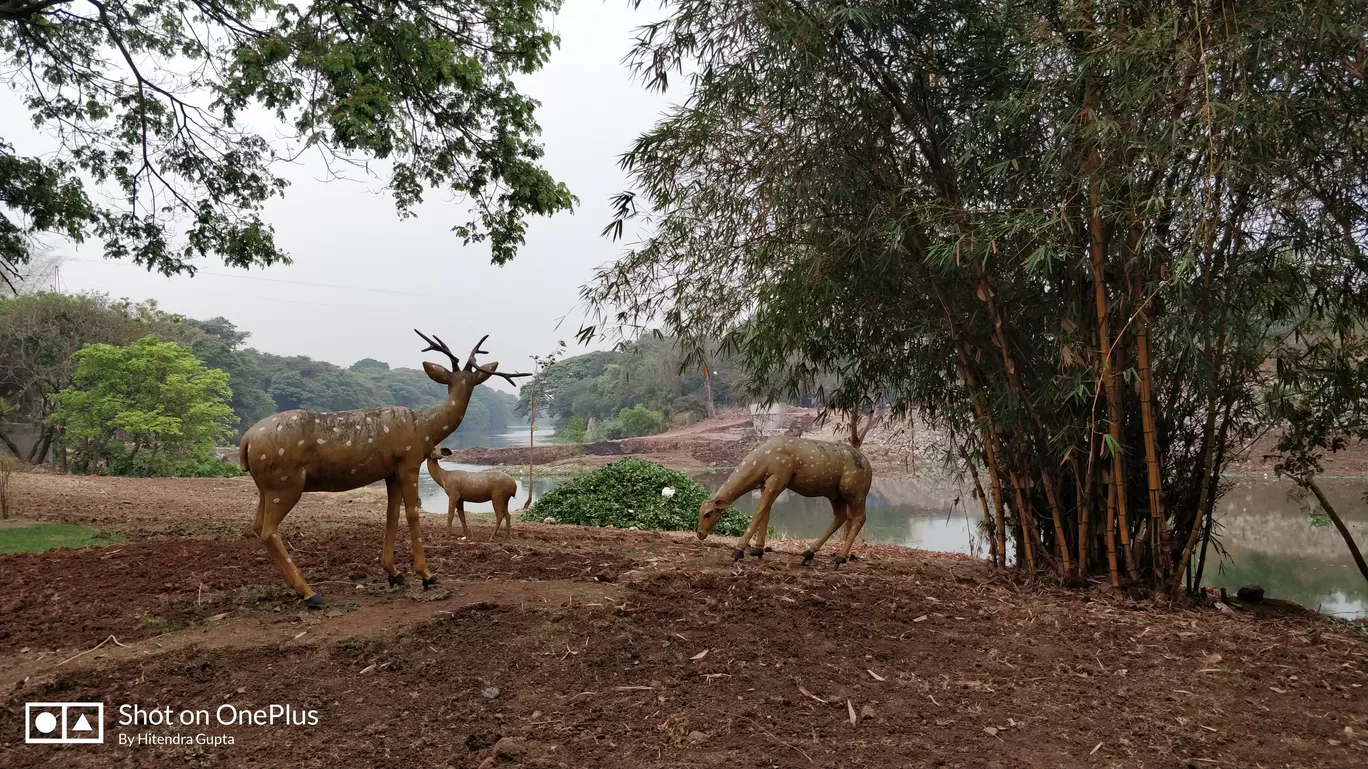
(347, 235)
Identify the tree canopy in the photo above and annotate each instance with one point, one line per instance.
(139, 408)
(176, 109)
(1086, 240)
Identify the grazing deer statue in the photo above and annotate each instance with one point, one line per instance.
(297, 451)
(461, 487)
(811, 468)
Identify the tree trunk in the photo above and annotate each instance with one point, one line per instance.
(707, 387)
(13, 448)
(1209, 452)
(531, 444)
(1310, 484)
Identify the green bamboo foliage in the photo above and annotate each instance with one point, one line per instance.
(1074, 236)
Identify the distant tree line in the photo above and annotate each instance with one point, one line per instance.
(637, 390)
(41, 334)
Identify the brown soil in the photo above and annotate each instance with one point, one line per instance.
(586, 648)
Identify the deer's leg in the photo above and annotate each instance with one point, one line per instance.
(460, 511)
(408, 487)
(501, 516)
(451, 512)
(391, 529)
(774, 485)
(271, 510)
(838, 519)
(855, 520)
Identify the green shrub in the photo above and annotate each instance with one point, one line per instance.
(627, 493)
(639, 420)
(574, 430)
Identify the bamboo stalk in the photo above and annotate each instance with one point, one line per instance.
(1208, 433)
(1118, 475)
(1083, 512)
(985, 294)
(1065, 565)
(983, 500)
(1023, 519)
(1155, 481)
(1110, 537)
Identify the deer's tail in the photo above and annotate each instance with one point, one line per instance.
(242, 456)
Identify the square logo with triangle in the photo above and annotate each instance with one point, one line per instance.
(63, 723)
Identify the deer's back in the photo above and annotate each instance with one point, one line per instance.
(334, 451)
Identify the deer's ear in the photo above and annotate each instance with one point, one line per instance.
(446, 452)
(437, 372)
(484, 375)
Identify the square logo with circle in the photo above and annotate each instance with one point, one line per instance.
(63, 723)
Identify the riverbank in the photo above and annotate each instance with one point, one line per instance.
(580, 647)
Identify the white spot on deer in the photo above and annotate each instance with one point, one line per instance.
(276, 499)
(451, 403)
(386, 428)
(370, 440)
(263, 456)
(353, 470)
(284, 477)
(348, 443)
(301, 443)
(408, 448)
(444, 427)
(280, 452)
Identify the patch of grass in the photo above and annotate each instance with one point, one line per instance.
(158, 624)
(50, 536)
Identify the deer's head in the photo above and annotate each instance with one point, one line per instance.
(460, 380)
(709, 513)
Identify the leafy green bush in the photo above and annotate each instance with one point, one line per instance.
(574, 430)
(627, 493)
(639, 420)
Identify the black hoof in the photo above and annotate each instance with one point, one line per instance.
(738, 554)
(429, 582)
(840, 559)
(758, 552)
(808, 555)
(314, 601)
(769, 549)
(854, 557)
(396, 580)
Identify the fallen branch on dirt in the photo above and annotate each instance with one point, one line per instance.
(93, 648)
(810, 695)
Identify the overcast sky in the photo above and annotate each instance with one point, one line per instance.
(362, 280)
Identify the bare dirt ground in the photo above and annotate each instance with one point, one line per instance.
(570, 647)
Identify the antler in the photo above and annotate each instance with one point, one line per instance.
(470, 364)
(441, 347)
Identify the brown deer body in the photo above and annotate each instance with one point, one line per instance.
(296, 451)
(811, 468)
(462, 486)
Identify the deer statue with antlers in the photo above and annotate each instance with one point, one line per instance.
(297, 451)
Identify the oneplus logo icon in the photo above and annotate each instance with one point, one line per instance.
(63, 723)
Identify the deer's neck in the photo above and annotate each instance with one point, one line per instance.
(442, 420)
(436, 471)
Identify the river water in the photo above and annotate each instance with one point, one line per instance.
(1267, 535)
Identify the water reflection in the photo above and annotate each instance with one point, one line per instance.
(1267, 535)
(513, 437)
